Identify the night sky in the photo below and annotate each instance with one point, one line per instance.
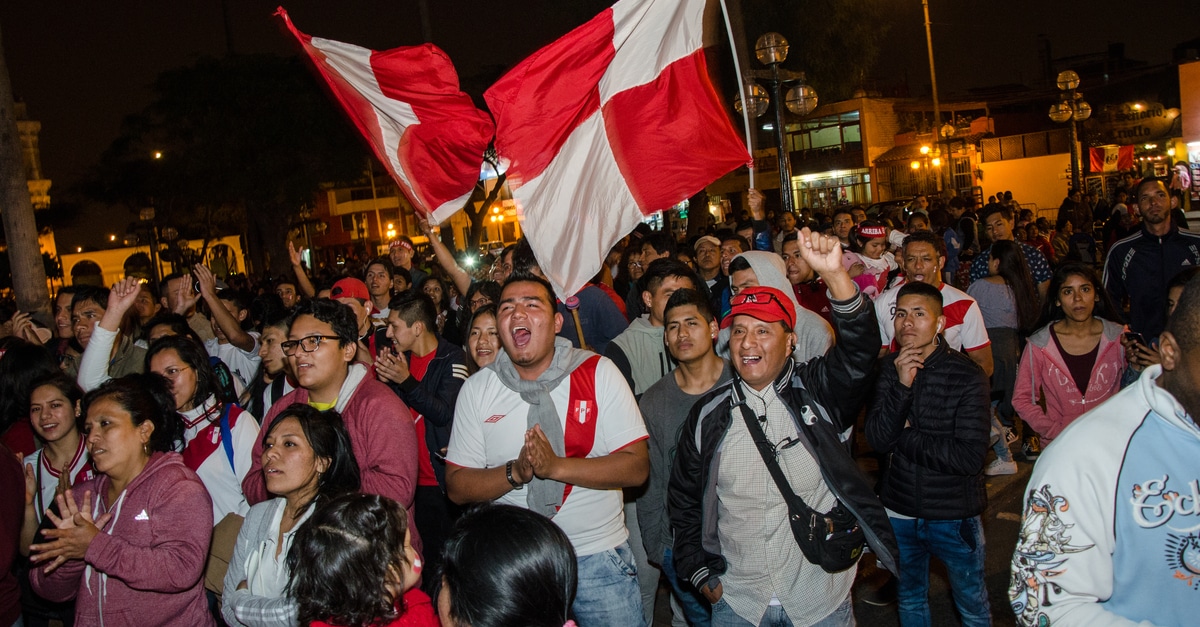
(81, 67)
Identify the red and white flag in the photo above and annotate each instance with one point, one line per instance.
(407, 104)
(1111, 158)
(613, 122)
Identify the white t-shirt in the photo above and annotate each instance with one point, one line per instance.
(243, 364)
(47, 476)
(965, 330)
(490, 421)
(204, 452)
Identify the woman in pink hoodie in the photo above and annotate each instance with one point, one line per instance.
(126, 545)
(1075, 361)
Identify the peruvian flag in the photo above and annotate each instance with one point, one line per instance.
(1111, 158)
(611, 123)
(407, 104)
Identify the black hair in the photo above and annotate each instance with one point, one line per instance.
(523, 259)
(341, 558)
(490, 289)
(90, 294)
(61, 382)
(988, 211)
(660, 270)
(1052, 312)
(415, 306)
(1182, 277)
(926, 290)
(177, 323)
(326, 434)
(1184, 324)
(661, 241)
(403, 273)
(22, 363)
(927, 237)
(741, 241)
(858, 241)
(338, 316)
(685, 297)
(381, 261)
(525, 277)
(196, 358)
(240, 298)
(1137, 191)
(486, 310)
(793, 236)
(841, 210)
(266, 309)
(146, 396)
(1015, 272)
(505, 565)
(444, 303)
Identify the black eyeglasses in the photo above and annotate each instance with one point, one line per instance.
(309, 344)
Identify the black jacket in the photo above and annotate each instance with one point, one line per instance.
(936, 463)
(433, 397)
(825, 390)
(1139, 268)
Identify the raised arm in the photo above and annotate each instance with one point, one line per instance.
(445, 258)
(228, 324)
(302, 283)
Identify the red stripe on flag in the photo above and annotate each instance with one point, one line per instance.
(442, 153)
(541, 101)
(671, 136)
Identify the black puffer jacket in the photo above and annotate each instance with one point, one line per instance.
(935, 467)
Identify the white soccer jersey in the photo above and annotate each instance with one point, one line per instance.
(964, 330)
(204, 453)
(80, 469)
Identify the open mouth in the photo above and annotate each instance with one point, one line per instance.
(521, 336)
(749, 360)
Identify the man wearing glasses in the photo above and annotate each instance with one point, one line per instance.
(320, 349)
(733, 539)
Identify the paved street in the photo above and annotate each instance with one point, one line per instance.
(1001, 521)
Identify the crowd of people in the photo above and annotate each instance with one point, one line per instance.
(412, 443)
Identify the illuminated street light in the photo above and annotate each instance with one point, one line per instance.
(1072, 108)
(158, 154)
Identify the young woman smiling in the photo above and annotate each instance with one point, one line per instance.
(306, 461)
(126, 546)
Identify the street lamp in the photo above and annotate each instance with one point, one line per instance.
(930, 158)
(1072, 108)
(772, 50)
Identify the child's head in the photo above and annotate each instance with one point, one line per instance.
(505, 565)
(352, 561)
(869, 239)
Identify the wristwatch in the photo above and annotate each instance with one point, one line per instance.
(508, 473)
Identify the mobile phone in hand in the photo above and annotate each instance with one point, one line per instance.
(1134, 336)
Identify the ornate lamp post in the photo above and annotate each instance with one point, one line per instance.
(772, 50)
(1072, 108)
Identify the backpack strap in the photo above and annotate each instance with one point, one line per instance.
(227, 435)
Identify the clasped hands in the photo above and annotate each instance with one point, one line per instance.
(537, 458)
(72, 535)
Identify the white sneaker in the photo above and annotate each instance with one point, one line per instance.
(1000, 467)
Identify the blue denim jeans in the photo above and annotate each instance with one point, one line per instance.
(695, 606)
(724, 616)
(959, 545)
(608, 592)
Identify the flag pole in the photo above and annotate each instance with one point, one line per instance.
(737, 68)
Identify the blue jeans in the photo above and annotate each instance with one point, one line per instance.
(608, 592)
(959, 545)
(724, 616)
(695, 606)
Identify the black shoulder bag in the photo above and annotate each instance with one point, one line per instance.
(834, 541)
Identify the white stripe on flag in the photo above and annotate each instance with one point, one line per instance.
(353, 63)
(577, 208)
(649, 36)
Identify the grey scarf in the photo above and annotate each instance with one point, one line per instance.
(545, 495)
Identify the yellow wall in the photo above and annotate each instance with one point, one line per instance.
(112, 261)
(1039, 180)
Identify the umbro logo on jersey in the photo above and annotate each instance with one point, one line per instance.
(495, 418)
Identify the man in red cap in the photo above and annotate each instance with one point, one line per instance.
(353, 293)
(780, 427)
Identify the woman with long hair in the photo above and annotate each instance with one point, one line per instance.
(436, 289)
(20, 363)
(353, 565)
(507, 566)
(306, 461)
(1075, 361)
(483, 338)
(1008, 301)
(125, 545)
(219, 437)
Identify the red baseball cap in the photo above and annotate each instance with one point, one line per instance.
(762, 303)
(350, 287)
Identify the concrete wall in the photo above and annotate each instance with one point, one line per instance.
(1038, 180)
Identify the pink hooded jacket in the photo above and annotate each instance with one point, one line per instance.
(145, 565)
(1045, 394)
